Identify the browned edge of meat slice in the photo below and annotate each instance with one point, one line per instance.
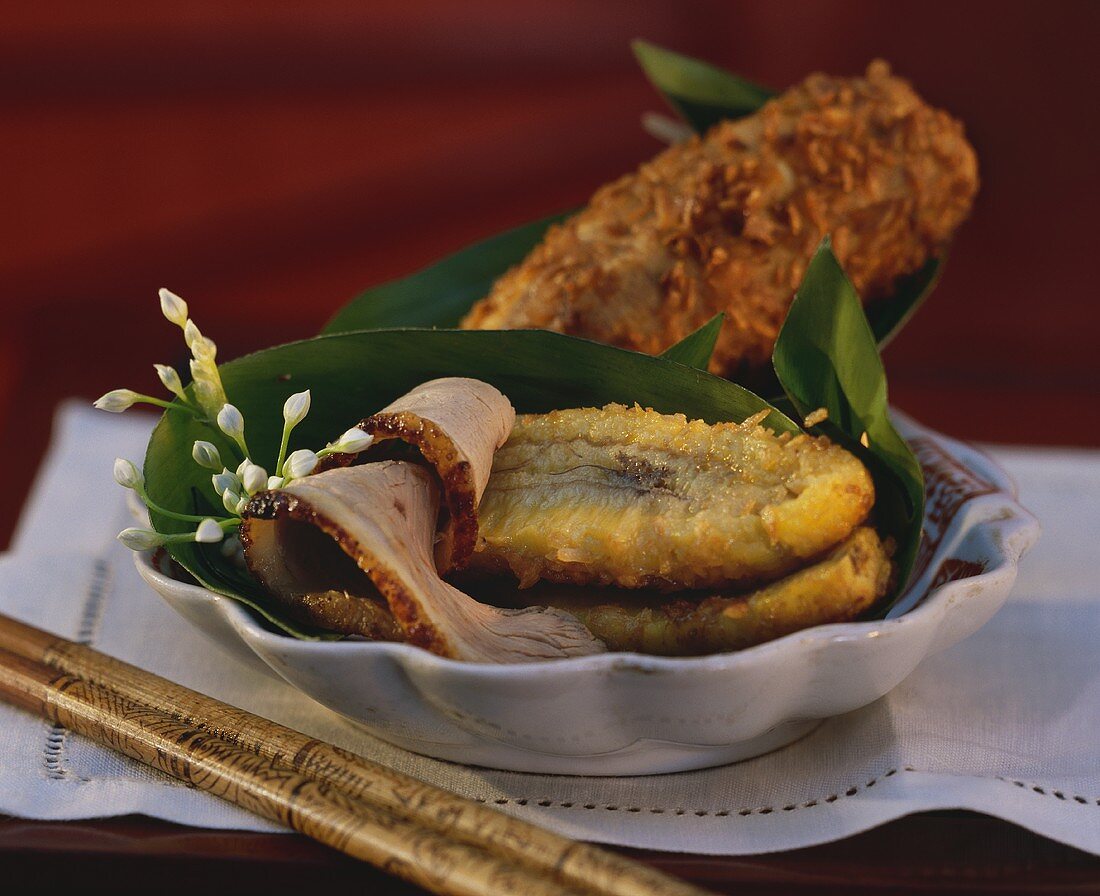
(456, 424)
(317, 584)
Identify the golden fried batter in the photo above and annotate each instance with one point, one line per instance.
(629, 497)
(836, 589)
(728, 222)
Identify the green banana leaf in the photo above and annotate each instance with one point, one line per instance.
(701, 93)
(821, 360)
(888, 315)
(826, 357)
(352, 375)
(440, 294)
(695, 349)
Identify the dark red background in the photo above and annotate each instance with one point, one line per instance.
(267, 161)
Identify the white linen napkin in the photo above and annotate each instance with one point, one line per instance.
(1006, 723)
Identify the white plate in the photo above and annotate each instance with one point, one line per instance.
(628, 714)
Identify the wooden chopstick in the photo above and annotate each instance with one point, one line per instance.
(314, 808)
(101, 696)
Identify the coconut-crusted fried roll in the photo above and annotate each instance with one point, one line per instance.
(630, 497)
(728, 222)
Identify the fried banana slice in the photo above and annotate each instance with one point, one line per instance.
(836, 589)
(729, 221)
(629, 497)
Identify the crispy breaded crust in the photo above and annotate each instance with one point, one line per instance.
(836, 589)
(630, 497)
(728, 222)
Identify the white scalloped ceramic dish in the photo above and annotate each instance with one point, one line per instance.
(627, 714)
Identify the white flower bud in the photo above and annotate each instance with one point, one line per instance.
(254, 478)
(230, 546)
(241, 505)
(116, 401)
(300, 463)
(141, 539)
(231, 422)
(127, 475)
(170, 378)
(296, 408)
(208, 386)
(191, 333)
(204, 349)
(352, 442)
(209, 532)
(206, 455)
(173, 307)
(275, 481)
(225, 481)
(231, 500)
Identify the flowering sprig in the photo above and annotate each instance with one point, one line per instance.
(208, 529)
(208, 402)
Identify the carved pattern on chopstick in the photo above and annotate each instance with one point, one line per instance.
(435, 838)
